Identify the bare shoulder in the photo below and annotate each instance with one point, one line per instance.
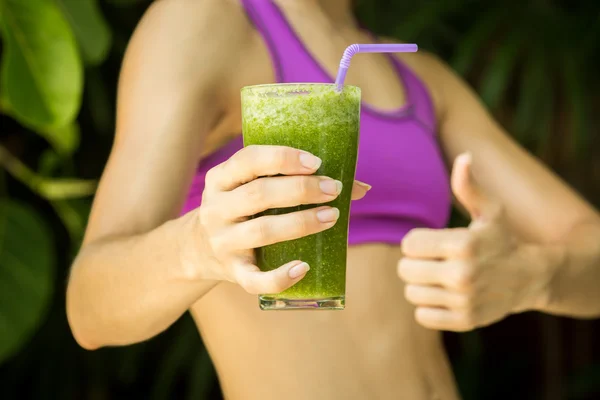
(183, 52)
(200, 35)
(196, 17)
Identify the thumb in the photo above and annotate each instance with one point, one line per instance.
(466, 190)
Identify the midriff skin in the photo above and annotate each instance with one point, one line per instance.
(373, 349)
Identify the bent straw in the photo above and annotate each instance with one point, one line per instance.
(368, 48)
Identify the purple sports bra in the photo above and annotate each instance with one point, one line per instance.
(398, 150)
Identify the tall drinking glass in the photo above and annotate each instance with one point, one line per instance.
(325, 122)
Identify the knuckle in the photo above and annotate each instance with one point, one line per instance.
(236, 162)
(302, 223)
(466, 246)
(409, 293)
(410, 240)
(422, 318)
(260, 229)
(254, 192)
(208, 214)
(302, 187)
(464, 277)
(210, 178)
(251, 151)
(402, 269)
(464, 302)
(219, 243)
(280, 157)
(242, 158)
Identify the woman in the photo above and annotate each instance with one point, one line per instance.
(533, 243)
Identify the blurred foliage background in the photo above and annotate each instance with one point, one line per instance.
(534, 62)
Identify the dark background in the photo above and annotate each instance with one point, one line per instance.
(535, 63)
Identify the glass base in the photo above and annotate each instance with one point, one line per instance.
(330, 303)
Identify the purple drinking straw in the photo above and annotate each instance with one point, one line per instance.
(368, 48)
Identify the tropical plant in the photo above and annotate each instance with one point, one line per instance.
(534, 63)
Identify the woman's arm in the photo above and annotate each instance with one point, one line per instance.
(550, 237)
(129, 282)
(139, 268)
(562, 229)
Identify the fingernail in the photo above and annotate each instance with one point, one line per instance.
(309, 161)
(330, 186)
(298, 270)
(328, 215)
(364, 185)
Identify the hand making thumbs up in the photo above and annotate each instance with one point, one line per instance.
(464, 278)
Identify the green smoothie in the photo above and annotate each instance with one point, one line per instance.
(318, 119)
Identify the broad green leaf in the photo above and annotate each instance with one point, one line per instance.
(42, 74)
(4, 106)
(64, 139)
(26, 275)
(91, 30)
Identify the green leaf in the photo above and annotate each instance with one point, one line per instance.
(64, 139)
(42, 74)
(65, 188)
(91, 30)
(50, 189)
(48, 163)
(26, 275)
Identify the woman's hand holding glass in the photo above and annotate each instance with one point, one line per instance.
(255, 179)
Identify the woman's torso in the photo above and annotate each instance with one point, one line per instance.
(373, 349)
